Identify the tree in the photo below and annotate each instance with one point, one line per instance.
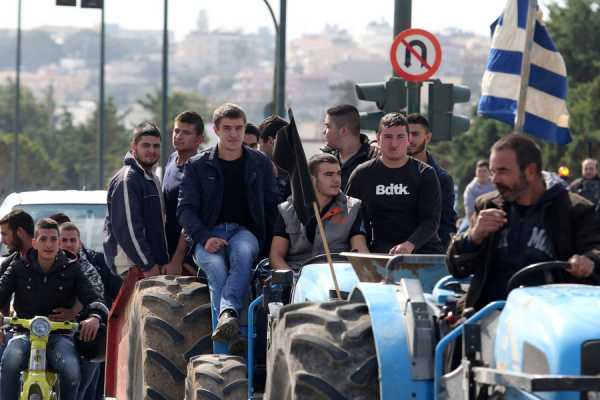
(574, 26)
(178, 101)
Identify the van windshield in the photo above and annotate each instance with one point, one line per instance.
(89, 218)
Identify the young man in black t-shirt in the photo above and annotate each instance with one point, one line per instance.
(401, 194)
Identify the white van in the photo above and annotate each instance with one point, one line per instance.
(87, 209)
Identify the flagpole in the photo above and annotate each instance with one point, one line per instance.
(326, 247)
(526, 66)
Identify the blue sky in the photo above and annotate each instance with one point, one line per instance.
(304, 16)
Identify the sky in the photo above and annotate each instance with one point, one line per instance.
(304, 16)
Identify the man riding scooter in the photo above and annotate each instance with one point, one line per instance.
(47, 279)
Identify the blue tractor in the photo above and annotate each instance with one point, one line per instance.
(394, 334)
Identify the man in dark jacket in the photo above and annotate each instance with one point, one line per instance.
(16, 229)
(226, 206)
(187, 136)
(344, 140)
(45, 280)
(134, 230)
(419, 138)
(526, 221)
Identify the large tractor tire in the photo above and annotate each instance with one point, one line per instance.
(170, 323)
(322, 352)
(216, 377)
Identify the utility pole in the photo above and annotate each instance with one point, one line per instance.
(280, 63)
(164, 134)
(17, 127)
(402, 22)
(101, 106)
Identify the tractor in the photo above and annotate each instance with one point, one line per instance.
(391, 335)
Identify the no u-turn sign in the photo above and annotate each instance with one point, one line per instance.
(416, 55)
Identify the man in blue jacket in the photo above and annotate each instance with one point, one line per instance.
(227, 203)
(419, 136)
(134, 230)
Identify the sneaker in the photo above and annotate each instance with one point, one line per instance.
(227, 328)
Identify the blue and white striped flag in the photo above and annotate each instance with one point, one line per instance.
(546, 114)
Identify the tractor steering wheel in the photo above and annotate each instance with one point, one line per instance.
(546, 267)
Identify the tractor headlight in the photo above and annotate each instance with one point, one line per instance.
(40, 327)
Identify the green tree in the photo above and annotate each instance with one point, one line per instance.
(574, 26)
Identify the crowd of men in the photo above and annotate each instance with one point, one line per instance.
(224, 208)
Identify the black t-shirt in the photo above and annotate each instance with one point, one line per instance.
(234, 208)
(170, 186)
(357, 228)
(401, 203)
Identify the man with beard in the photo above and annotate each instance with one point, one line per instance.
(525, 222)
(187, 136)
(419, 136)
(134, 227)
(16, 229)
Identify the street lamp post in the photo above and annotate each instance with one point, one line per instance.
(17, 127)
(281, 51)
(101, 106)
(164, 145)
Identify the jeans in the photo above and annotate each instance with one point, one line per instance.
(90, 374)
(229, 269)
(61, 356)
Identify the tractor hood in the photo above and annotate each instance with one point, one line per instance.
(542, 329)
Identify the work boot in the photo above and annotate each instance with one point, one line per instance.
(227, 328)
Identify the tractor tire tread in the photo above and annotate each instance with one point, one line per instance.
(216, 377)
(322, 351)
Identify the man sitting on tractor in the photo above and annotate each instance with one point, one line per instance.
(45, 280)
(525, 221)
(345, 229)
(226, 206)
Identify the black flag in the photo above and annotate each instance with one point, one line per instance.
(289, 155)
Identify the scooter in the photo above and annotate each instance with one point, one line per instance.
(38, 383)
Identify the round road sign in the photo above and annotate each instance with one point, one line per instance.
(416, 55)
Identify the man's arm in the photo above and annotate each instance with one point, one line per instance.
(127, 221)
(587, 232)
(429, 209)
(359, 243)
(174, 267)
(189, 205)
(8, 282)
(279, 249)
(272, 197)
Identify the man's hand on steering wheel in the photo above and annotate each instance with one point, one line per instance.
(580, 266)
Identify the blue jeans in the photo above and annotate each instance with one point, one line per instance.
(90, 374)
(61, 355)
(229, 269)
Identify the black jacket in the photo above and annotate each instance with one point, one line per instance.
(134, 222)
(38, 293)
(110, 280)
(568, 220)
(448, 216)
(201, 195)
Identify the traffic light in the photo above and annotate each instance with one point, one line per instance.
(388, 96)
(92, 3)
(70, 3)
(442, 121)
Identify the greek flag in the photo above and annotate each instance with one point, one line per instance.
(546, 114)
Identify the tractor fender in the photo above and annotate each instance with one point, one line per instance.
(401, 372)
(314, 284)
